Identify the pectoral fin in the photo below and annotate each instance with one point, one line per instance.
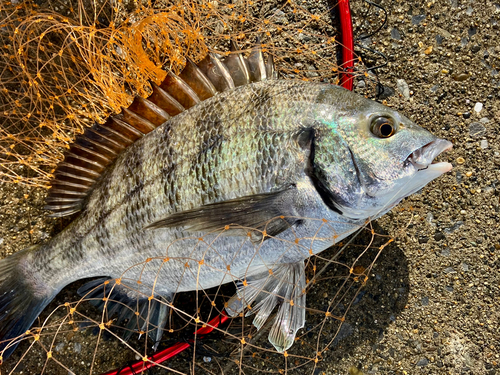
(270, 212)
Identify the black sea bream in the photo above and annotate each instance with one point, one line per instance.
(288, 168)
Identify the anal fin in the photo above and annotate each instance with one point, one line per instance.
(284, 285)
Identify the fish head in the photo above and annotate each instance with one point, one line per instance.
(386, 157)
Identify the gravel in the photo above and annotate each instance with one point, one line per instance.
(431, 305)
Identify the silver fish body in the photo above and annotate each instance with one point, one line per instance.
(306, 163)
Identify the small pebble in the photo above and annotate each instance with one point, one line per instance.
(460, 77)
(423, 362)
(365, 40)
(415, 20)
(468, 174)
(403, 88)
(463, 212)
(466, 115)
(280, 16)
(439, 236)
(460, 160)
(303, 37)
(77, 347)
(478, 107)
(489, 190)
(423, 239)
(476, 129)
(484, 144)
(445, 253)
(353, 370)
(429, 218)
(395, 34)
(455, 226)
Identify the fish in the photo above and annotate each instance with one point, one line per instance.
(223, 174)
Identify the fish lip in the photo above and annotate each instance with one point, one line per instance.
(423, 157)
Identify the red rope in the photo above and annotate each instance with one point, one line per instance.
(346, 78)
(346, 81)
(141, 366)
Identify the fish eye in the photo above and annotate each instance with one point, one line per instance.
(383, 127)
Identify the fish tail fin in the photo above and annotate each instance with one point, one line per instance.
(20, 304)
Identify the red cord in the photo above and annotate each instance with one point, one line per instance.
(141, 366)
(346, 78)
(346, 81)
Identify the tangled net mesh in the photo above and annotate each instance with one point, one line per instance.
(65, 65)
(89, 334)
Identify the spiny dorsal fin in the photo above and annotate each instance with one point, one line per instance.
(217, 72)
(94, 150)
(238, 66)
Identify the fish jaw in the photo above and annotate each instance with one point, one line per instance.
(421, 170)
(422, 162)
(423, 158)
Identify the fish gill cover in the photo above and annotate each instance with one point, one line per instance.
(65, 66)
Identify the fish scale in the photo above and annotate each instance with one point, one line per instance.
(290, 168)
(106, 214)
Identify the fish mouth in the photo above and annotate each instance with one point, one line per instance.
(422, 159)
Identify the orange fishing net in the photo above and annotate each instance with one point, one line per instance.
(73, 338)
(66, 65)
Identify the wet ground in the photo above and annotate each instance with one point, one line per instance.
(431, 304)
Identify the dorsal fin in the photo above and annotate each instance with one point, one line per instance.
(94, 150)
(217, 72)
(238, 66)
